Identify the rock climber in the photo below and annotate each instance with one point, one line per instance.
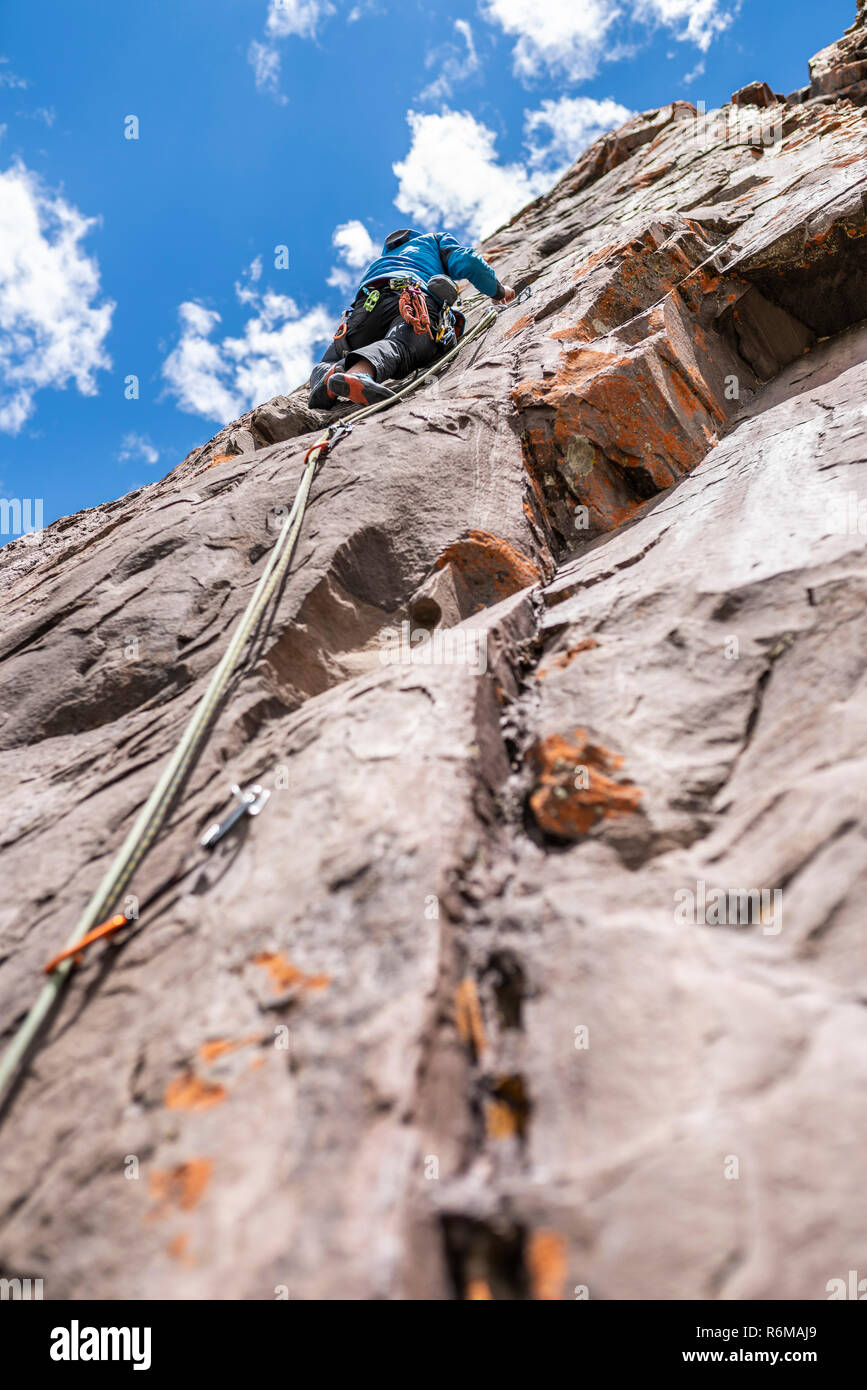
(401, 317)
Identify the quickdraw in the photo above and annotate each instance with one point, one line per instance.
(77, 949)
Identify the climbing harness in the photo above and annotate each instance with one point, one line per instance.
(413, 306)
(92, 926)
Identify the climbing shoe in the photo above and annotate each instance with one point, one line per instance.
(361, 390)
(443, 288)
(320, 398)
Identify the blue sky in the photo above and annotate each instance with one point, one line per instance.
(284, 123)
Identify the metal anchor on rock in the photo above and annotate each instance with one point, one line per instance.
(250, 802)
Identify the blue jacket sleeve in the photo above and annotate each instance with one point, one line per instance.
(463, 263)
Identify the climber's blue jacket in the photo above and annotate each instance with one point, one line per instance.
(432, 253)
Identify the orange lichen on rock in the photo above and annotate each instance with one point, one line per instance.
(594, 260)
(643, 411)
(648, 411)
(566, 658)
(177, 1249)
(182, 1187)
(490, 565)
(190, 1092)
(648, 177)
(573, 787)
(578, 364)
(548, 1265)
(519, 323)
(468, 1016)
(499, 1120)
(218, 458)
(508, 1109)
(285, 975)
(478, 1290)
(210, 1051)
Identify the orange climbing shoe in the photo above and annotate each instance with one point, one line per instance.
(361, 390)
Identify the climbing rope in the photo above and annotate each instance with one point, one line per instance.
(414, 311)
(91, 926)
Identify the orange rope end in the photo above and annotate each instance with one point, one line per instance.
(104, 929)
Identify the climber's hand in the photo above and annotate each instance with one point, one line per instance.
(508, 294)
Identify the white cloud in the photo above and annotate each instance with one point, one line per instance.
(221, 378)
(697, 21)
(561, 130)
(561, 35)
(451, 175)
(52, 330)
(195, 370)
(9, 78)
(265, 62)
(573, 37)
(137, 446)
(42, 113)
(248, 294)
(285, 18)
(355, 244)
(455, 64)
(695, 73)
(299, 17)
(356, 249)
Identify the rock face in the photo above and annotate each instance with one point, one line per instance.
(543, 968)
(841, 69)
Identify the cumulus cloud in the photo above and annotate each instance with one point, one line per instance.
(221, 377)
(52, 327)
(265, 62)
(561, 130)
(455, 62)
(135, 446)
(356, 249)
(299, 17)
(559, 35)
(695, 73)
(696, 21)
(572, 38)
(451, 175)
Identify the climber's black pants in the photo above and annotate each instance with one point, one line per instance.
(382, 337)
